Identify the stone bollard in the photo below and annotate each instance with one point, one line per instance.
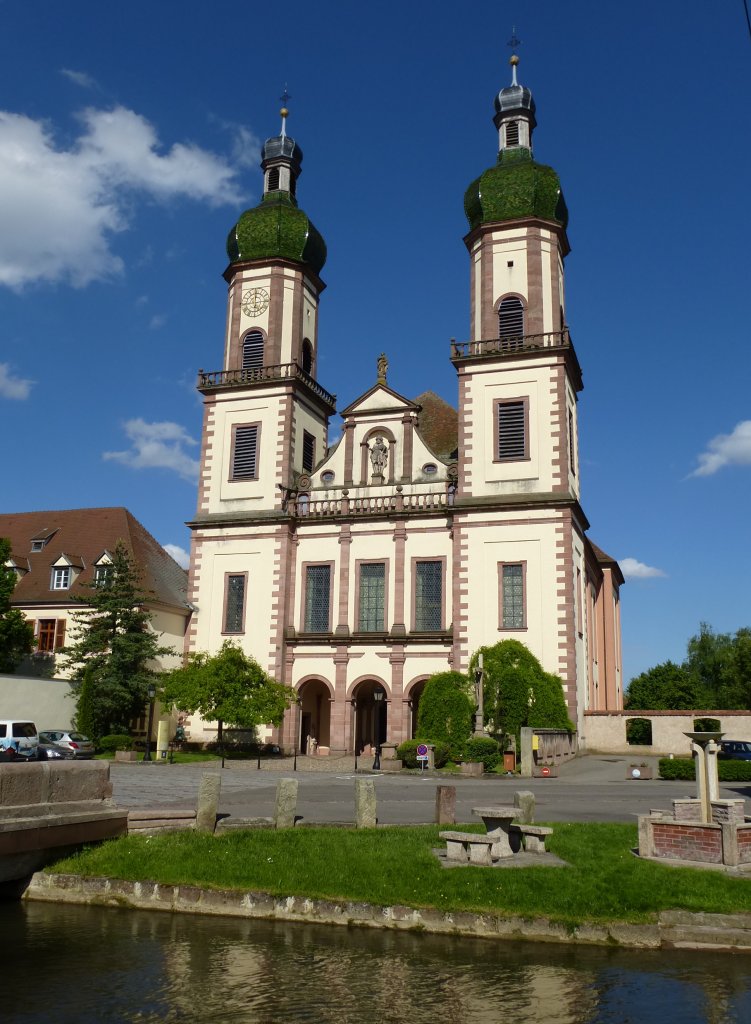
(365, 804)
(525, 801)
(445, 805)
(208, 802)
(286, 803)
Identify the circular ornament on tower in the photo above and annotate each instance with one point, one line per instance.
(254, 301)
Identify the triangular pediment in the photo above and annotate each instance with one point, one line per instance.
(380, 398)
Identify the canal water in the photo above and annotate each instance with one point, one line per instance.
(91, 964)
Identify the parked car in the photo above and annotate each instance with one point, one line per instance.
(18, 741)
(73, 742)
(53, 752)
(736, 750)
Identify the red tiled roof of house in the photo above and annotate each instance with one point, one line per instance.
(84, 534)
(438, 424)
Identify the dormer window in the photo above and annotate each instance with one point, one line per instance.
(103, 575)
(61, 578)
(38, 545)
(512, 133)
(273, 185)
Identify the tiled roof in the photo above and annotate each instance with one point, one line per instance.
(604, 559)
(88, 532)
(438, 424)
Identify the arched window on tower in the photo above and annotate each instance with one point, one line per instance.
(253, 350)
(273, 180)
(307, 356)
(512, 133)
(511, 322)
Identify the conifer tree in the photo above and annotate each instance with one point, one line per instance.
(16, 633)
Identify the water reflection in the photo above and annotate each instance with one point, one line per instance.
(88, 964)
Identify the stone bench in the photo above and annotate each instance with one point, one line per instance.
(534, 836)
(468, 846)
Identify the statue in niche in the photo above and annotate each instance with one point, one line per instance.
(379, 455)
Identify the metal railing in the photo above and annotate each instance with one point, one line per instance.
(510, 346)
(260, 375)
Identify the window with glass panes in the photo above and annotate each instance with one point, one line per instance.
(60, 579)
(46, 635)
(372, 597)
(317, 598)
(234, 606)
(512, 596)
(428, 595)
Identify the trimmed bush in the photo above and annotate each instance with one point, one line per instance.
(407, 753)
(683, 768)
(117, 741)
(446, 710)
(485, 749)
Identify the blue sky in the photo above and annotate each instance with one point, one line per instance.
(129, 144)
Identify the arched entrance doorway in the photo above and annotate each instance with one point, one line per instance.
(415, 694)
(315, 715)
(370, 715)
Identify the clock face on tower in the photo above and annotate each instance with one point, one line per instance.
(255, 301)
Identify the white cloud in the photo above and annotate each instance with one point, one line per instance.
(157, 446)
(246, 147)
(79, 78)
(60, 207)
(726, 450)
(13, 387)
(635, 570)
(179, 554)
(158, 320)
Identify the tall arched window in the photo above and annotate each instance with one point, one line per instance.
(307, 356)
(253, 350)
(273, 180)
(511, 319)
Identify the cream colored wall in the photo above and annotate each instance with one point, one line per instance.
(305, 418)
(171, 626)
(254, 278)
(510, 246)
(606, 733)
(228, 410)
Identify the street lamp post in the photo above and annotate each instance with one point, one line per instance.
(151, 691)
(378, 696)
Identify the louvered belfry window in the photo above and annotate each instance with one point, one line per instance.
(245, 457)
(428, 595)
(511, 318)
(308, 451)
(512, 430)
(372, 597)
(234, 612)
(317, 598)
(273, 180)
(512, 133)
(512, 597)
(253, 350)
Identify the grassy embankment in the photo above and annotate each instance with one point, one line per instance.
(604, 881)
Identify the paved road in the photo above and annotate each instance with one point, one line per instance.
(589, 789)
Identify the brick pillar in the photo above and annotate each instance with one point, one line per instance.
(340, 718)
(395, 721)
(399, 627)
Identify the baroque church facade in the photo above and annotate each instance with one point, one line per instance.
(354, 571)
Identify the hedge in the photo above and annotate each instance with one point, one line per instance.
(407, 753)
(485, 749)
(683, 768)
(116, 741)
(445, 711)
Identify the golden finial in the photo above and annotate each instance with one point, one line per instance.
(514, 59)
(284, 112)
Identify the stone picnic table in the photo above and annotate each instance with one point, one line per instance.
(497, 821)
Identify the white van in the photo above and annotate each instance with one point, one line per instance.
(19, 741)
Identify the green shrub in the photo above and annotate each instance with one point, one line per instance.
(639, 732)
(445, 711)
(117, 741)
(407, 753)
(485, 749)
(683, 768)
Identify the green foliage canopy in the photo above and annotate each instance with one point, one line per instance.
(16, 633)
(666, 687)
(229, 687)
(445, 710)
(517, 691)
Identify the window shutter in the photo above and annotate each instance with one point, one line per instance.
(512, 440)
(245, 459)
(308, 451)
(60, 634)
(511, 318)
(273, 179)
(253, 351)
(512, 133)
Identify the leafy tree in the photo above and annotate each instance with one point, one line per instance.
(666, 687)
(85, 716)
(16, 633)
(445, 710)
(229, 687)
(114, 641)
(709, 662)
(518, 692)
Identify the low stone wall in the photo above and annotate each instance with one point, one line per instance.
(604, 732)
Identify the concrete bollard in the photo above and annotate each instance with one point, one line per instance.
(208, 802)
(525, 801)
(365, 804)
(445, 805)
(285, 809)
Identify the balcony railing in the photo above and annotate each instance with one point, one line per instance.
(304, 507)
(261, 375)
(510, 346)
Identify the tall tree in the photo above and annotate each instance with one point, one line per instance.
(114, 641)
(229, 687)
(16, 633)
(666, 687)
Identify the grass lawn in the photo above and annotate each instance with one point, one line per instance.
(396, 866)
(178, 757)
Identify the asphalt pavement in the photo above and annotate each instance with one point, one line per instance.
(591, 788)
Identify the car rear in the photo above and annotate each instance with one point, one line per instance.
(19, 740)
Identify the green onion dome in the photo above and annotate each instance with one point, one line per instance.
(516, 187)
(277, 228)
